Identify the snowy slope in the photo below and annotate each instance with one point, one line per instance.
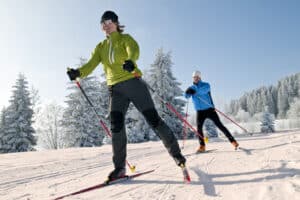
(267, 168)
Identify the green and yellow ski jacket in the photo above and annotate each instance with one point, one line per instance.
(112, 53)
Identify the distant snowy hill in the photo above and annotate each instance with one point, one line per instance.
(267, 168)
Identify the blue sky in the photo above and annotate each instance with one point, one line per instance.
(238, 45)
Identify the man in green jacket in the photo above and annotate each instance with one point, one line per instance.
(118, 54)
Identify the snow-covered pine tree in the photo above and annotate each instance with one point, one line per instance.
(264, 98)
(2, 127)
(274, 97)
(267, 123)
(271, 101)
(81, 126)
(210, 128)
(283, 104)
(293, 87)
(242, 116)
(294, 111)
(233, 107)
(2, 119)
(243, 102)
(18, 134)
(161, 79)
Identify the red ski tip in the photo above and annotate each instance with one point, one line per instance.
(187, 179)
(186, 176)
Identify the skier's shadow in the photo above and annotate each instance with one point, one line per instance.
(209, 184)
(194, 154)
(247, 151)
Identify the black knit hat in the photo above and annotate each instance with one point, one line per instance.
(109, 15)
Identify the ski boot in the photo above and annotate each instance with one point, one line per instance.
(201, 149)
(116, 174)
(235, 144)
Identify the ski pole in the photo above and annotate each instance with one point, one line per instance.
(184, 125)
(224, 115)
(103, 125)
(169, 106)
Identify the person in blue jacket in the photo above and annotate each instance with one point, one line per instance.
(203, 103)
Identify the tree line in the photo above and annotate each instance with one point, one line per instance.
(281, 100)
(23, 125)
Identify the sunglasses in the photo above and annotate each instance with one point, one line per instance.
(106, 22)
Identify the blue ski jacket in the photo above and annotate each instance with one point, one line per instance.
(202, 98)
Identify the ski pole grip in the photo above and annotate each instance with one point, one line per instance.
(78, 78)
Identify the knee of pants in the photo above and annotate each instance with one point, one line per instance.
(117, 121)
(152, 117)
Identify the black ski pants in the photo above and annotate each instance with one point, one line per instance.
(135, 91)
(211, 114)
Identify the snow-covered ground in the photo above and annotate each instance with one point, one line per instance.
(267, 168)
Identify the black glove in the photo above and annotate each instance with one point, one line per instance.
(73, 74)
(128, 66)
(190, 91)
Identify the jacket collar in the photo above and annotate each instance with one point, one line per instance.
(114, 35)
(199, 82)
